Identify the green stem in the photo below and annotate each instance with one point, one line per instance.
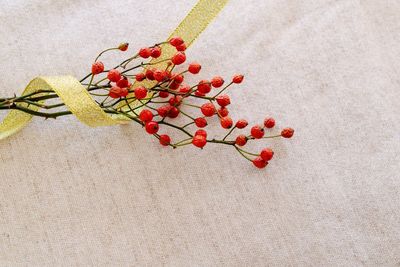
(233, 128)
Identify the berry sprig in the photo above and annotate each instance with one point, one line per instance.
(121, 90)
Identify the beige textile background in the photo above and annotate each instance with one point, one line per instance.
(75, 196)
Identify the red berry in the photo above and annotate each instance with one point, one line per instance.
(145, 52)
(201, 132)
(175, 100)
(123, 46)
(240, 124)
(241, 140)
(146, 115)
(163, 110)
(184, 89)
(159, 75)
(151, 127)
(199, 141)
(97, 67)
(140, 77)
(156, 52)
(114, 92)
(204, 87)
(173, 86)
(178, 78)
(123, 83)
(181, 47)
(197, 93)
(217, 81)
(257, 131)
(223, 100)
(200, 122)
(173, 112)
(178, 58)
(163, 94)
(226, 122)
(269, 122)
(176, 41)
(124, 92)
(237, 78)
(150, 74)
(223, 112)
(165, 140)
(208, 109)
(140, 92)
(287, 132)
(194, 68)
(167, 74)
(114, 75)
(266, 154)
(259, 162)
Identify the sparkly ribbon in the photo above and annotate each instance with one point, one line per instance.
(76, 97)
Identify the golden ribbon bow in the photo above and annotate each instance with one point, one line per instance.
(76, 97)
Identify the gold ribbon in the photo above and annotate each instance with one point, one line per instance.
(76, 97)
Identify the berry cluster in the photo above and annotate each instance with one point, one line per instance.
(169, 85)
(155, 97)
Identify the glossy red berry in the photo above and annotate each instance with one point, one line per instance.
(97, 67)
(178, 78)
(146, 115)
(201, 132)
(173, 112)
(204, 87)
(241, 140)
(194, 68)
(181, 47)
(223, 100)
(114, 75)
(175, 100)
(287, 132)
(184, 89)
(257, 132)
(179, 58)
(260, 163)
(140, 92)
(140, 77)
(145, 52)
(217, 81)
(124, 92)
(163, 94)
(240, 124)
(223, 112)
(165, 140)
(155, 52)
(123, 83)
(200, 122)
(163, 110)
(208, 109)
(173, 86)
(266, 154)
(237, 78)
(115, 92)
(226, 122)
(176, 41)
(199, 141)
(150, 74)
(123, 46)
(152, 127)
(269, 122)
(159, 75)
(198, 93)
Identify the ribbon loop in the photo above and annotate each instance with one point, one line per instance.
(74, 96)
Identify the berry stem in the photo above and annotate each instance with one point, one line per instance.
(226, 136)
